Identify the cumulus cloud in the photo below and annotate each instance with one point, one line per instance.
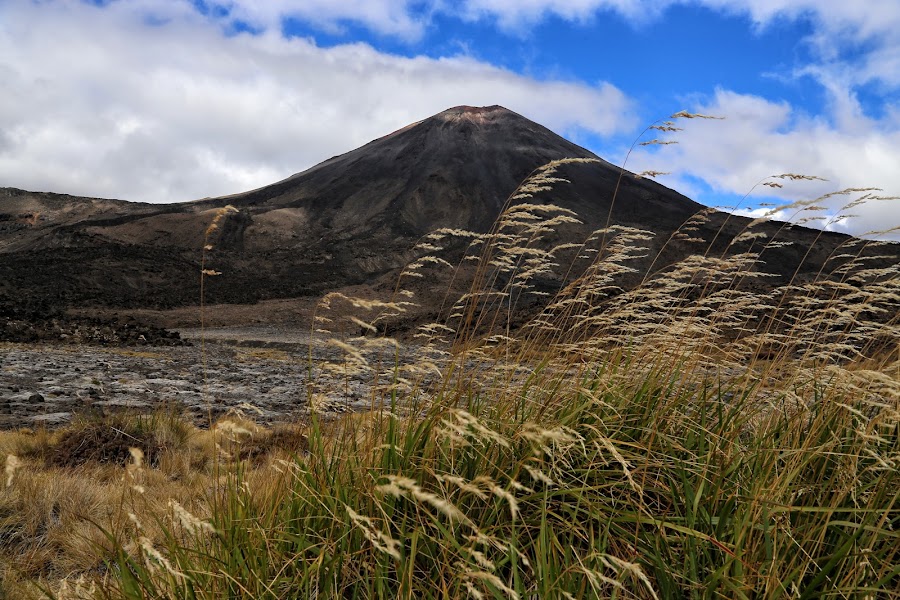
(834, 20)
(403, 18)
(152, 101)
(760, 138)
(162, 101)
(515, 14)
(853, 44)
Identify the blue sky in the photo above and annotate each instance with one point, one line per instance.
(171, 100)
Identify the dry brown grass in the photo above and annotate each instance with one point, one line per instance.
(76, 491)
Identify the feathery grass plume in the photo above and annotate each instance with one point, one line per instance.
(404, 487)
(83, 589)
(208, 246)
(619, 565)
(462, 425)
(12, 464)
(666, 126)
(683, 114)
(379, 540)
(546, 439)
(154, 559)
(464, 485)
(189, 522)
(539, 476)
(138, 526)
(798, 177)
(506, 496)
(491, 579)
(234, 429)
(137, 457)
(658, 143)
(662, 125)
(651, 174)
(133, 468)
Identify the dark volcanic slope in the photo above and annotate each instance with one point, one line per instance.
(341, 222)
(345, 221)
(357, 215)
(453, 169)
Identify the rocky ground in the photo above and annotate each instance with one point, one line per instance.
(37, 320)
(262, 371)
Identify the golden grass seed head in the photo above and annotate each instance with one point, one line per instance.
(13, 463)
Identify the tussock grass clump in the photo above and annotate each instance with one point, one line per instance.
(111, 438)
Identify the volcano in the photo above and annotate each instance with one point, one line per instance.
(351, 220)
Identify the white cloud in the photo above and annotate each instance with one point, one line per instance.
(410, 18)
(151, 101)
(403, 18)
(855, 42)
(760, 138)
(515, 14)
(856, 39)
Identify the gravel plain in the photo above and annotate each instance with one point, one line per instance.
(262, 371)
